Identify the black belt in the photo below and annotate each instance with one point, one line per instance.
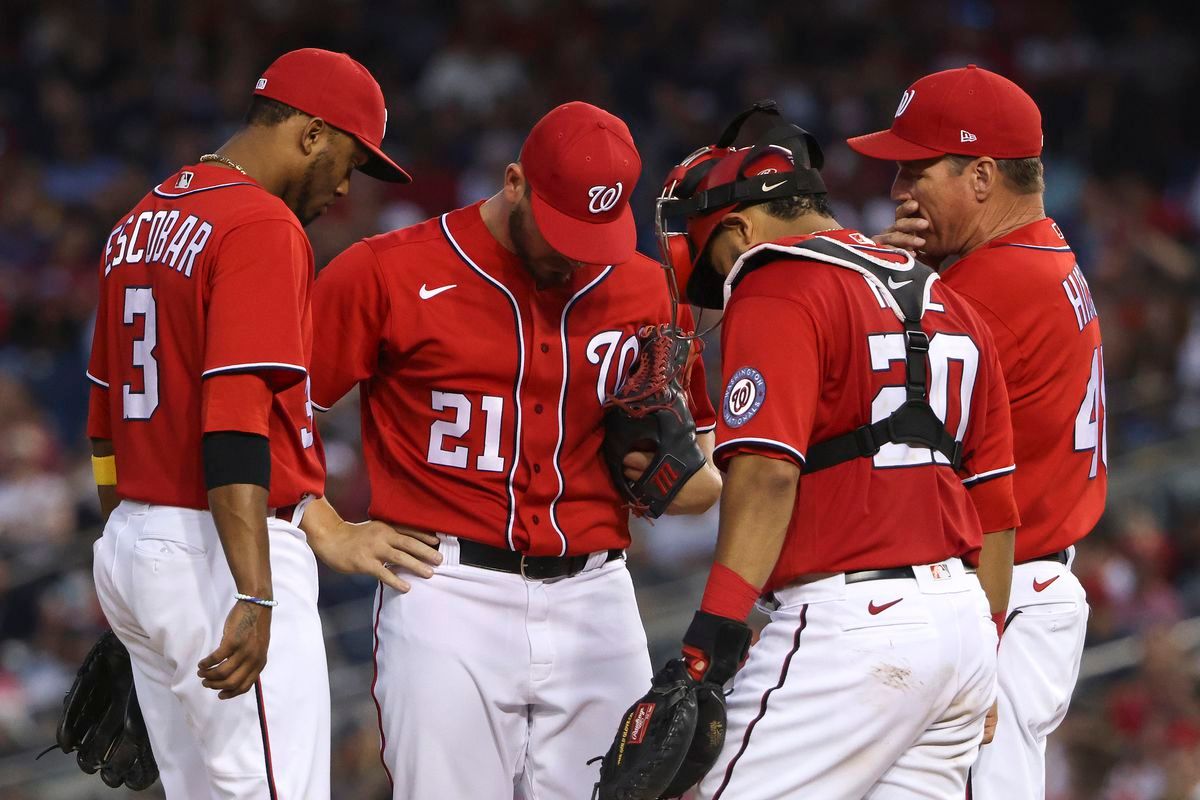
(285, 512)
(534, 568)
(879, 574)
(892, 573)
(1060, 557)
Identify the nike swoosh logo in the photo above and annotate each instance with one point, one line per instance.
(874, 609)
(428, 293)
(1040, 586)
(894, 284)
(766, 187)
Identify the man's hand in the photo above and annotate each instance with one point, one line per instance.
(698, 493)
(989, 723)
(908, 233)
(234, 666)
(376, 549)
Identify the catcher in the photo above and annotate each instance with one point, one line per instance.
(851, 365)
(487, 344)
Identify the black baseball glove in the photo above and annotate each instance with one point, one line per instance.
(101, 719)
(649, 413)
(670, 738)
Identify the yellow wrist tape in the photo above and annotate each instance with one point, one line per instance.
(104, 469)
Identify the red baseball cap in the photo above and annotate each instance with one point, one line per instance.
(703, 284)
(967, 111)
(339, 90)
(581, 166)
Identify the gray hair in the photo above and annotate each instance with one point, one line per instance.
(1025, 175)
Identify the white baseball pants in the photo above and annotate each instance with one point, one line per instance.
(838, 703)
(165, 587)
(1039, 663)
(490, 685)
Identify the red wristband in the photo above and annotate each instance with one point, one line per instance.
(999, 618)
(728, 594)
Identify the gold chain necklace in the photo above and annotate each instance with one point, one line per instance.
(220, 159)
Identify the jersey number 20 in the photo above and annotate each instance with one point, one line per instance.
(944, 348)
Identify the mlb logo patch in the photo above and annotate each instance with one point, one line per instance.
(940, 572)
(185, 180)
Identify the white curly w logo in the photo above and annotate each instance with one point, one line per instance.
(603, 198)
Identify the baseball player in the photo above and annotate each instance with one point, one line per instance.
(969, 187)
(853, 366)
(203, 437)
(485, 343)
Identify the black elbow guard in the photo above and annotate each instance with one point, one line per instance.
(236, 457)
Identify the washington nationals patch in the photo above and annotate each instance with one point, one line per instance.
(743, 396)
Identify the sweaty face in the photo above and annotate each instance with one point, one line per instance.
(545, 264)
(327, 176)
(945, 199)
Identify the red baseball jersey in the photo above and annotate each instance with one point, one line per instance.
(209, 274)
(811, 351)
(1030, 292)
(481, 396)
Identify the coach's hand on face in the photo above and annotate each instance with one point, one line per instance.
(907, 232)
(369, 548)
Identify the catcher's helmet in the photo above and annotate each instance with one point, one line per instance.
(718, 179)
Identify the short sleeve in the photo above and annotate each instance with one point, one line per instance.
(256, 304)
(99, 422)
(988, 465)
(349, 298)
(236, 402)
(771, 381)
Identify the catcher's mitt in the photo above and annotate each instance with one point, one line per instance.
(649, 413)
(653, 740)
(101, 719)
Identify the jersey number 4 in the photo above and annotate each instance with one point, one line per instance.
(1091, 425)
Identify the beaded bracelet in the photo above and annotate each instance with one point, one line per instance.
(258, 601)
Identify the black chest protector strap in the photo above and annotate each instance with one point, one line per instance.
(914, 423)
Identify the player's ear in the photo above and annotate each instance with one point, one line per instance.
(984, 174)
(312, 134)
(740, 226)
(514, 183)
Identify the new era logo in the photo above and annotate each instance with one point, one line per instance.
(966, 136)
(185, 180)
(262, 84)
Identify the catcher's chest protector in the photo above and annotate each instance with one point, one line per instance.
(905, 289)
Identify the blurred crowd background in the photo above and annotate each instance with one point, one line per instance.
(101, 99)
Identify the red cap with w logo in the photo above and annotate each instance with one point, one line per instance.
(581, 166)
(339, 90)
(967, 112)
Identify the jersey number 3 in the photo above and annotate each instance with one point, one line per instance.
(139, 302)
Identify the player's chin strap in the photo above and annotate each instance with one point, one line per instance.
(914, 422)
